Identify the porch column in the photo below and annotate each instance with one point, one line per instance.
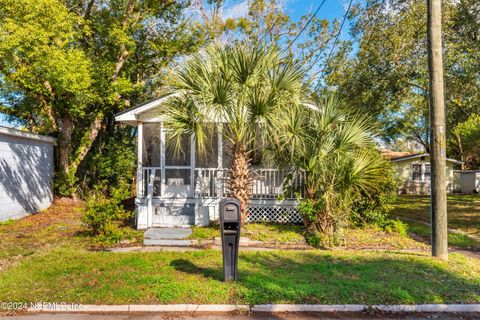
(162, 160)
(192, 166)
(139, 190)
(139, 145)
(218, 183)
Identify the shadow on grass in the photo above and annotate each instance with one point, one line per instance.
(276, 277)
(187, 266)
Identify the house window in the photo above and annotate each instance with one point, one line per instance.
(421, 172)
(427, 172)
(417, 172)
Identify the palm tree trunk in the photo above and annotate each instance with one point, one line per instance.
(240, 178)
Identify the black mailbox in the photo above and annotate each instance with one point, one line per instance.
(230, 224)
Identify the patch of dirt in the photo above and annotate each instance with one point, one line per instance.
(60, 223)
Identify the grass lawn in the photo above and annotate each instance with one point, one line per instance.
(463, 215)
(56, 226)
(48, 257)
(267, 232)
(285, 234)
(76, 275)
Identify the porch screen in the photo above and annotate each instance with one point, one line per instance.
(151, 145)
(209, 159)
(177, 157)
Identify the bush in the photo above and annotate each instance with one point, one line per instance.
(65, 184)
(308, 211)
(395, 226)
(102, 216)
(374, 208)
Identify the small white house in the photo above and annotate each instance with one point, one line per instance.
(185, 189)
(26, 173)
(414, 170)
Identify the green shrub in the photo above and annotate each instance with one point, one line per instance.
(374, 208)
(102, 216)
(308, 211)
(314, 238)
(65, 184)
(395, 226)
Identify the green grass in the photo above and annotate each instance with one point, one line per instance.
(8, 222)
(463, 215)
(75, 275)
(455, 240)
(270, 233)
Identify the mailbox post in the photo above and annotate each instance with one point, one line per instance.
(230, 224)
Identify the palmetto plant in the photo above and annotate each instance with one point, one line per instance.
(246, 88)
(334, 147)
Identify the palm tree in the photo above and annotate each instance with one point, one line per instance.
(334, 148)
(246, 87)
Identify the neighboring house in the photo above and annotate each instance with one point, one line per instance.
(414, 170)
(26, 173)
(185, 189)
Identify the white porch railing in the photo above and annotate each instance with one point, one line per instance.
(209, 182)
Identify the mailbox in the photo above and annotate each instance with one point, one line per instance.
(230, 224)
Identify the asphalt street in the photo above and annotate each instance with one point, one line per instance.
(222, 316)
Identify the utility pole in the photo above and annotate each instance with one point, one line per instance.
(438, 194)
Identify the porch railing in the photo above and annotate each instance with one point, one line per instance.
(210, 183)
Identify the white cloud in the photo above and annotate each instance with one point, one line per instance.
(236, 11)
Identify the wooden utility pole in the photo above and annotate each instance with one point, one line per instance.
(438, 194)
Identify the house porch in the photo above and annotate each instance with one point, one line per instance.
(184, 188)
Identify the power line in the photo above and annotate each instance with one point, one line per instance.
(266, 33)
(306, 24)
(339, 31)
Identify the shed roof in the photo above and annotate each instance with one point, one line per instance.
(26, 135)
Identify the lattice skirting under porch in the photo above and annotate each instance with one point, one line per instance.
(276, 213)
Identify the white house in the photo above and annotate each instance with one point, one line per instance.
(185, 189)
(414, 170)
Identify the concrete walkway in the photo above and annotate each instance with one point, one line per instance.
(167, 237)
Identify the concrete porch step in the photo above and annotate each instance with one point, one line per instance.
(167, 237)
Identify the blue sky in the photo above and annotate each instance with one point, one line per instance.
(330, 10)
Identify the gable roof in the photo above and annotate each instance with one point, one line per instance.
(133, 115)
(391, 155)
(394, 156)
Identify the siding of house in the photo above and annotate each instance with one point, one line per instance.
(405, 171)
(26, 173)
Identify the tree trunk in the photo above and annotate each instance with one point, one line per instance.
(437, 132)
(460, 148)
(240, 178)
(65, 142)
(87, 142)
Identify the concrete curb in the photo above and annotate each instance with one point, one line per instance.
(428, 308)
(308, 308)
(270, 308)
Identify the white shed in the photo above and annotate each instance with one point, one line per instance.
(26, 173)
(470, 181)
